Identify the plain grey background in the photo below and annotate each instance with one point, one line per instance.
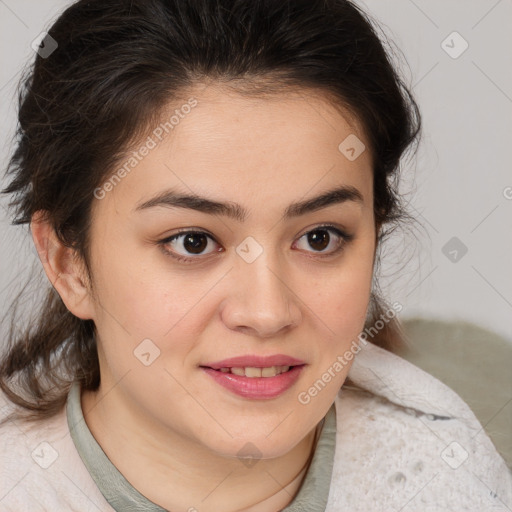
(459, 186)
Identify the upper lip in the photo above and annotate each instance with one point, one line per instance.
(254, 361)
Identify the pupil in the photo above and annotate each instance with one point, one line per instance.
(195, 247)
(315, 239)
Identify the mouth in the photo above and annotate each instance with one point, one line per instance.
(253, 372)
(255, 382)
(255, 361)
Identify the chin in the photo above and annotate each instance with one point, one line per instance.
(249, 448)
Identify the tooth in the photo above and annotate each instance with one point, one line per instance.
(252, 372)
(272, 371)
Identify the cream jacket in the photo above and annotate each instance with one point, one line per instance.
(404, 442)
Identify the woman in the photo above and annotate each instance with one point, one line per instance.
(207, 185)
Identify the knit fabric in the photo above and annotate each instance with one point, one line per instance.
(408, 443)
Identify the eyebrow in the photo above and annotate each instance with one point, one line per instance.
(171, 198)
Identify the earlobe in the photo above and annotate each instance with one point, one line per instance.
(63, 267)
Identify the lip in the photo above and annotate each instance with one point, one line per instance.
(256, 388)
(255, 361)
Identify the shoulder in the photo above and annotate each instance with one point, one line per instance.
(40, 469)
(406, 441)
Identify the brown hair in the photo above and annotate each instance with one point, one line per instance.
(117, 64)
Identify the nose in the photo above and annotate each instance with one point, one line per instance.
(261, 300)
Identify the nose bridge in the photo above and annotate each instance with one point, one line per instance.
(264, 283)
(263, 301)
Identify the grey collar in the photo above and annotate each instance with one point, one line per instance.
(122, 496)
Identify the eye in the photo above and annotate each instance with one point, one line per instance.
(181, 245)
(320, 239)
(192, 242)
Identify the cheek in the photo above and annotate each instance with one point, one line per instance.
(341, 299)
(143, 297)
(341, 312)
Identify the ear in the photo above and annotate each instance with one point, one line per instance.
(65, 270)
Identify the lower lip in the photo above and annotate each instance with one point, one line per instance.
(259, 388)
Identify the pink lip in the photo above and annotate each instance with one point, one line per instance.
(255, 362)
(258, 388)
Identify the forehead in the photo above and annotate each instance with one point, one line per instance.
(278, 127)
(276, 148)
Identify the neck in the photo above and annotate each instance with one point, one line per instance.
(179, 474)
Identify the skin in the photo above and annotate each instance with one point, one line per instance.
(169, 417)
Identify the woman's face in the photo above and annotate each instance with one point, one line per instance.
(254, 284)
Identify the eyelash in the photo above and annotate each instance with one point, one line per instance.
(345, 239)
